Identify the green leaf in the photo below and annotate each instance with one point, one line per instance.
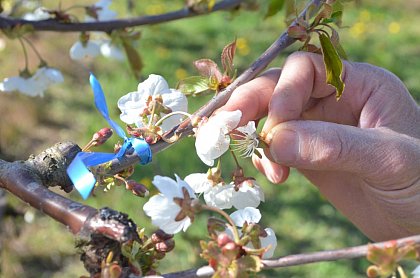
(274, 6)
(333, 64)
(133, 57)
(193, 85)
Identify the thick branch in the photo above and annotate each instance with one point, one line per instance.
(108, 26)
(29, 181)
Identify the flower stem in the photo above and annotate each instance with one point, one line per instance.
(152, 115)
(171, 114)
(25, 53)
(235, 158)
(34, 49)
(227, 217)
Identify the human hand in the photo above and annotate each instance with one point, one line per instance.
(362, 152)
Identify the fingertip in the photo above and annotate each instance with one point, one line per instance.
(274, 172)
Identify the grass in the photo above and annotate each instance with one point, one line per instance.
(385, 34)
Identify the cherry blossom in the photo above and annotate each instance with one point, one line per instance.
(80, 51)
(216, 194)
(134, 104)
(252, 215)
(34, 85)
(102, 11)
(247, 194)
(171, 210)
(38, 14)
(212, 137)
(247, 139)
(110, 50)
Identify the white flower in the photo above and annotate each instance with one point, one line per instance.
(253, 215)
(248, 214)
(168, 208)
(103, 12)
(249, 194)
(110, 50)
(416, 272)
(212, 137)
(247, 139)
(269, 241)
(34, 85)
(133, 104)
(79, 51)
(215, 194)
(38, 14)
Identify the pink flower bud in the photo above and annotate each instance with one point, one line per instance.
(101, 136)
(136, 188)
(160, 236)
(223, 239)
(165, 246)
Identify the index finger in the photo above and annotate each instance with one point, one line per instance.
(303, 77)
(252, 98)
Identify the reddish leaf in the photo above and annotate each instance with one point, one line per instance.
(227, 56)
(208, 68)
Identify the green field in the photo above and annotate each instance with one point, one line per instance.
(384, 33)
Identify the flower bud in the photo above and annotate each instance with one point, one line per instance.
(160, 236)
(372, 271)
(136, 188)
(165, 246)
(223, 239)
(230, 248)
(101, 136)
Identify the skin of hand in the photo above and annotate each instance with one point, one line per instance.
(362, 152)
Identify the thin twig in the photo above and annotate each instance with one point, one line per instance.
(301, 259)
(108, 26)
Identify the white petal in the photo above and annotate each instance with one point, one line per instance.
(153, 85)
(212, 139)
(416, 272)
(219, 196)
(167, 186)
(79, 52)
(177, 101)
(182, 184)
(198, 182)
(37, 14)
(249, 128)
(248, 214)
(11, 84)
(269, 241)
(110, 50)
(131, 106)
(247, 197)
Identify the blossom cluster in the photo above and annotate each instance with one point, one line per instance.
(34, 85)
(174, 207)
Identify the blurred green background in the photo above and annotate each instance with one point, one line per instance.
(384, 33)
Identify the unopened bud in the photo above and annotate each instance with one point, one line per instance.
(160, 236)
(372, 271)
(136, 188)
(223, 239)
(101, 136)
(165, 246)
(159, 256)
(230, 248)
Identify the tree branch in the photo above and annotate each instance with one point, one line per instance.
(108, 26)
(301, 259)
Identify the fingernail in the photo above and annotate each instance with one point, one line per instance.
(284, 146)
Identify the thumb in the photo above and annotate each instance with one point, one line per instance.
(315, 145)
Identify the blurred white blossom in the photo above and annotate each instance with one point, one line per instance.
(110, 50)
(38, 14)
(133, 104)
(34, 85)
(170, 209)
(103, 13)
(212, 137)
(247, 214)
(80, 51)
(416, 272)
